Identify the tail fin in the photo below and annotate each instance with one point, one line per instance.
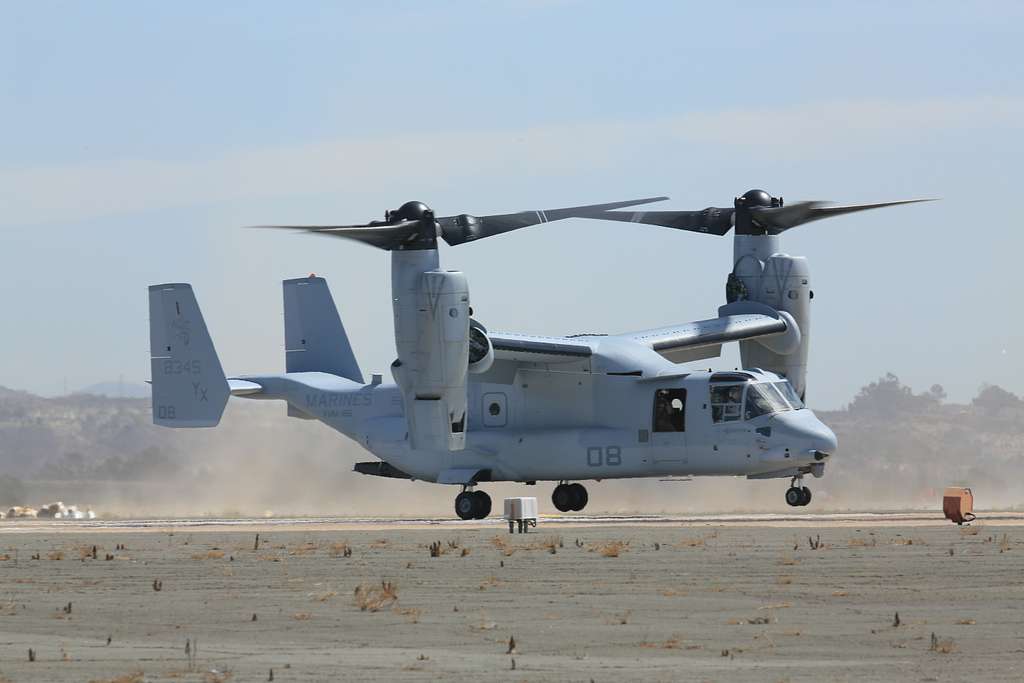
(189, 387)
(314, 338)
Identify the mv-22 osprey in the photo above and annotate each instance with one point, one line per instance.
(470, 406)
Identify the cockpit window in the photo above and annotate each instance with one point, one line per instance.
(789, 393)
(726, 402)
(762, 399)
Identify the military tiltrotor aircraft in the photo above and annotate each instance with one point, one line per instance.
(470, 406)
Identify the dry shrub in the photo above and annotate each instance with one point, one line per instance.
(784, 580)
(379, 543)
(370, 598)
(674, 593)
(502, 546)
(412, 614)
(4, 558)
(899, 540)
(673, 643)
(340, 550)
(324, 597)
(838, 594)
(134, 677)
(618, 619)
(610, 548)
(307, 548)
(695, 542)
(942, 645)
(861, 542)
(551, 543)
(302, 616)
(217, 676)
(490, 582)
(270, 558)
(789, 561)
(1004, 543)
(972, 530)
(55, 555)
(465, 551)
(209, 555)
(965, 622)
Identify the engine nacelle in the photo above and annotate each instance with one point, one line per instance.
(481, 350)
(783, 283)
(432, 339)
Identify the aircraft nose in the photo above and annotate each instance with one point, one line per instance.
(824, 440)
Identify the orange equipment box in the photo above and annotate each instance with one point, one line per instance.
(958, 504)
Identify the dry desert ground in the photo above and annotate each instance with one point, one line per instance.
(798, 600)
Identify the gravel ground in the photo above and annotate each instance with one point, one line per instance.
(679, 601)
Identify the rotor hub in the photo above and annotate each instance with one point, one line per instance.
(410, 211)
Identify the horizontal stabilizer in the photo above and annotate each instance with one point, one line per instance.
(189, 387)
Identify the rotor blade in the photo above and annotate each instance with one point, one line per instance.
(713, 221)
(380, 235)
(466, 228)
(781, 218)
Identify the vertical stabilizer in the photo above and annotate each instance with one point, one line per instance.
(314, 338)
(189, 387)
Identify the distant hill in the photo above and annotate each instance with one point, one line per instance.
(116, 390)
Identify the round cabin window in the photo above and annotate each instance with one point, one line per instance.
(494, 409)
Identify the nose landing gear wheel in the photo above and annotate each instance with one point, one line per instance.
(794, 496)
(797, 496)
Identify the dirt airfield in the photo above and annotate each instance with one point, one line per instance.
(783, 599)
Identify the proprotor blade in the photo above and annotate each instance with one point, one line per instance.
(712, 220)
(778, 219)
(381, 235)
(467, 228)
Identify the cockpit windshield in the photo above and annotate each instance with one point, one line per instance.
(747, 400)
(789, 393)
(763, 399)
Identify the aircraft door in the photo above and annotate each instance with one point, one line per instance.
(668, 429)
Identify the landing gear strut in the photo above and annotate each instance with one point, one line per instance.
(472, 505)
(798, 495)
(569, 497)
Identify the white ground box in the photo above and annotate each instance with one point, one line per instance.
(521, 512)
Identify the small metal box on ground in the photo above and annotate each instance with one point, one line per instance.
(521, 512)
(958, 504)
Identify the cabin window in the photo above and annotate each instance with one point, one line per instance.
(726, 402)
(670, 410)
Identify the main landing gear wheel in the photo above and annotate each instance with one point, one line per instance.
(472, 505)
(798, 496)
(569, 497)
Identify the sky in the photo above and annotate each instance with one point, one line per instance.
(136, 139)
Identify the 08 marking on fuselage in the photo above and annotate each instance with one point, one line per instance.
(598, 456)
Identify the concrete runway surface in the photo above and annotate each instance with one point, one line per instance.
(745, 597)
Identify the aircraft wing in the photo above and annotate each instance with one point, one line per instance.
(533, 349)
(704, 338)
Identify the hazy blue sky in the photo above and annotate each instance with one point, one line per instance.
(135, 139)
